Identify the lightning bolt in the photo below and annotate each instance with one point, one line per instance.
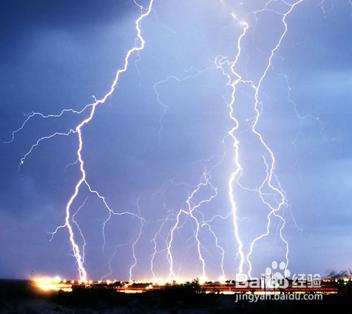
(135, 242)
(79, 228)
(190, 211)
(207, 224)
(274, 210)
(90, 110)
(234, 78)
(155, 246)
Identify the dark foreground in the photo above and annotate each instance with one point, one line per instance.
(20, 297)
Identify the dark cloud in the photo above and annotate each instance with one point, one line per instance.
(22, 15)
(20, 20)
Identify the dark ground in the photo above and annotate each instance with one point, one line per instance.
(20, 297)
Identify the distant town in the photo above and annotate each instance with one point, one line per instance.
(327, 286)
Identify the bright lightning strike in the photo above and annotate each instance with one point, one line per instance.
(274, 210)
(191, 212)
(78, 131)
(234, 78)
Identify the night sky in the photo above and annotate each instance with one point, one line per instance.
(168, 122)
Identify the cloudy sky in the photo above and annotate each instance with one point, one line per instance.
(167, 124)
